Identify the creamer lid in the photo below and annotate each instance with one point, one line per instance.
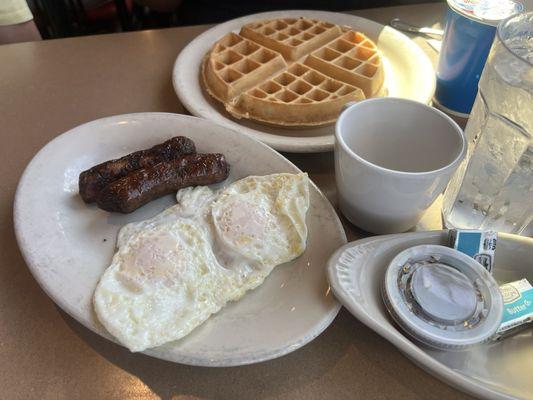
(442, 297)
(489, 12)
(444, 293)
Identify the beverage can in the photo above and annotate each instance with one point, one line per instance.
(468, 36)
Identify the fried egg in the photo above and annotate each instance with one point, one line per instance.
(171, 272)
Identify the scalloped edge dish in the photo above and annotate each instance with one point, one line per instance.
(500, 370)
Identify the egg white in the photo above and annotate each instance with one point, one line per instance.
(171, 272)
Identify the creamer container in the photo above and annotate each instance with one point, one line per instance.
(442, 297)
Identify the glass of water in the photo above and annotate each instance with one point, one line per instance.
(493, 188)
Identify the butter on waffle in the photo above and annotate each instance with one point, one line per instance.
(292, 72)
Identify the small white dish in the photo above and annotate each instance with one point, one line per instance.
(501, 370)
(408, 74)
(68, 244)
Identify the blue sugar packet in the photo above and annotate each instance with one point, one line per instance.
(517, 295)
(480, 245)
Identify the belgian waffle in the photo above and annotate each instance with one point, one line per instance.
(292, 72)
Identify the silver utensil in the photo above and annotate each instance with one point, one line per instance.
(434, 44)
(397, 23)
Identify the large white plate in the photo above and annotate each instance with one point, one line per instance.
(502, 370)
(408, 74)
(68, 245)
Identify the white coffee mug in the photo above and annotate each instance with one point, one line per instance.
(393, 157)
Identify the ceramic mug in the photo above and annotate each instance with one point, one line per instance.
(393, 157)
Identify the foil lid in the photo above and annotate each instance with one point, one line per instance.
(442, 297)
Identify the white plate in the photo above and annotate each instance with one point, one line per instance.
(68, 244)
(408, 74)
(501, 370)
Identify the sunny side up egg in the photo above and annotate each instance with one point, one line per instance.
(171, 272)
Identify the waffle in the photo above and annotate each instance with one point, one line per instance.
(292, 38)
(292, 72)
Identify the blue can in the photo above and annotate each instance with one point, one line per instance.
(470, 30)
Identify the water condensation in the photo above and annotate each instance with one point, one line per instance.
(493, 188)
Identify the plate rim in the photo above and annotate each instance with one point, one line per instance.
(400, 341)
(251, 358)
(313, 144)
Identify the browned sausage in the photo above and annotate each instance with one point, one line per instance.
(97, 177)
(143, 185)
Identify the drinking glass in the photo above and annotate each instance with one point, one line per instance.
(493, 187)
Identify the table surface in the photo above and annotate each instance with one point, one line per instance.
(49, 87)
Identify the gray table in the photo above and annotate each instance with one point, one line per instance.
(49, 87)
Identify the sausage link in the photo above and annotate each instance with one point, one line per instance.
(96, 178)
(144, 185)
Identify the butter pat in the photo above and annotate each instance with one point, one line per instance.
(480, 245)
(517, 305)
